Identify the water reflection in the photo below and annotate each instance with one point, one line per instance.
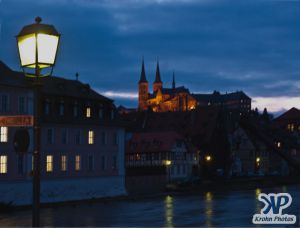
(208, 209)
(169, 211)
(256, 201)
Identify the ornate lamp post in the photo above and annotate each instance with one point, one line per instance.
(37, 45)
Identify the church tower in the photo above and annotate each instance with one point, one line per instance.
(157, 84)
(143, 89)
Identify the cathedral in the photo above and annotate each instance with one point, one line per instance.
(180, 99)
(163, 99)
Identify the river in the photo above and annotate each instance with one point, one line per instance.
(208, 209)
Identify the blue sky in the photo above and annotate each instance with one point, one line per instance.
(210, 44)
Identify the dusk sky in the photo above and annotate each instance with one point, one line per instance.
(249, 45)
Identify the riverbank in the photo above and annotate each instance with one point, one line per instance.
(240, 184)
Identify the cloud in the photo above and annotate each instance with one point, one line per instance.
(276, 104)
(211, 45)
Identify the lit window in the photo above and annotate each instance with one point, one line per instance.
(91, 137)
(4, 131)
(291, 127)
(77, 162)
(3, 164)
(49, 163)
(63, 163)
(278, 144)
(88, 112)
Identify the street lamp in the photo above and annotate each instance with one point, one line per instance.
(208, 158)
(37, 46)
(168, 164)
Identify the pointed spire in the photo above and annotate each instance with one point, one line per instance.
(143, 74)
(157, 76)
(173, 82)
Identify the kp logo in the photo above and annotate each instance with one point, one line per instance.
(271, 213)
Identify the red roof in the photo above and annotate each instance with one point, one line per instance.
(291, 114)
(152, 141)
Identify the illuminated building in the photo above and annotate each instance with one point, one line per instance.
(164, 99)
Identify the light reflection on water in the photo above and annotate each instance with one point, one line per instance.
(169, 211)
(208, 209)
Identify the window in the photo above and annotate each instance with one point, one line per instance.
(114, 164)
(116, 139)
(49, 163)
(291, 127)
(103, 138)
(100, 113)
(3, 137)
(63, 165)
(91, 137)
(75, 110)
(112, 114)
(88, 112)
(21, 104)
(47, 107)
(64, 136)
(61, 108)
(77, 138)
(77, 162)
(20, 164)
(50, 136)
(4, 103)
(103, 163)
(178, 169)
(90, 163)
(3, 164)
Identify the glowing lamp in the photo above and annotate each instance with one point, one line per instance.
(37, 45)
(258, 159)
(208, 158)
(168, 162)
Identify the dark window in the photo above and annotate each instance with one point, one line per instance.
(91, 163)
(61, 108)
(47, 108)
(103, 165)
(20, 164)
(75, 110)
(21, 104)
(114, 165)
(4, 103)
(77, 138)
(100, 113)
(116, 141)
(50, 136)
(103, 138)
(64, 136)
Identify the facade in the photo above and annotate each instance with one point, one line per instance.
(167, 149)
(290, 120)
(180, 99)
(81, 140)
